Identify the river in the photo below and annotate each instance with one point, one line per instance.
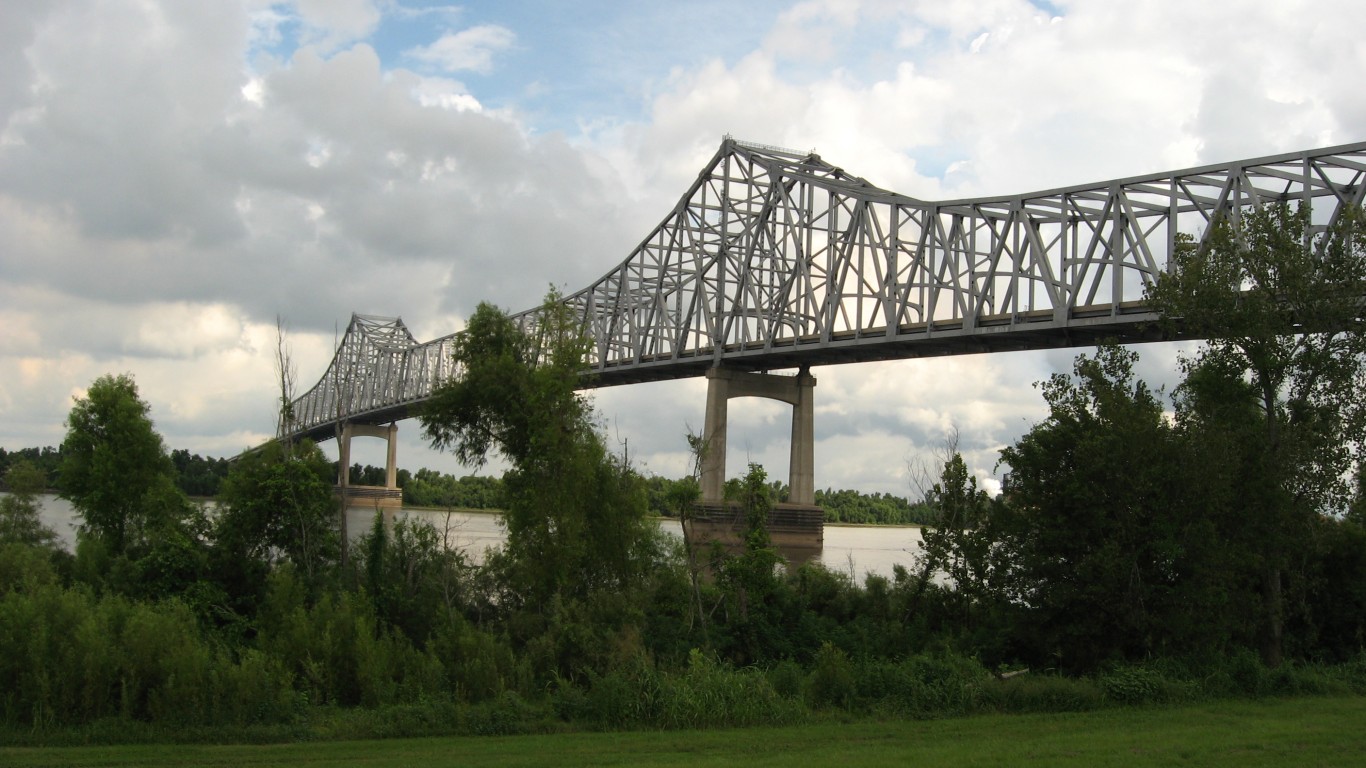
(854, 549)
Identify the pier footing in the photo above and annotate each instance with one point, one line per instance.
(797, 530)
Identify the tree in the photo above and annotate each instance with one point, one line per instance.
(1099, 537)
(957, 546)
(19, 521)
(285, 377)
(749, 580)
(415, 580)
(276, 504)
(115, 470)
(1280, 301)
(575, 514)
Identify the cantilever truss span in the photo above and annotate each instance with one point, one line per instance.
(777, 259)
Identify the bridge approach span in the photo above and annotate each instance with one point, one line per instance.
(776, 259)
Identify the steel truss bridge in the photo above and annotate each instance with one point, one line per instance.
(776, 259)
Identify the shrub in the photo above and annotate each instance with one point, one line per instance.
(923, 686)
(1132, 685)
(506, 715)
(1239, 674)
(787, 678)
(632, 695)
(832, 679)
(1307, 680)
(1044, 693)
(709, 695)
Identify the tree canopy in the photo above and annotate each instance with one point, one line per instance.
(115, 470)
(277, 504)
(1280, 301)
(575, 513)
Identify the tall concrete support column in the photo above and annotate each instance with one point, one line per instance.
(714, 436)
(801, 470)
(344, 457)
(391, 466)
(797, 391)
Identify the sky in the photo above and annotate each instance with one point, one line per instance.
(175, 176)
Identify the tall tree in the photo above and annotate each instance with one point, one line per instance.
(276, 504)
(749, 580)
(575, 514)
(1097, 534)
(115, 470)
(958, 545)
(1280, 300)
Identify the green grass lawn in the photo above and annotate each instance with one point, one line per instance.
(1281, 732)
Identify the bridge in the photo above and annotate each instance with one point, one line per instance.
(775, 259)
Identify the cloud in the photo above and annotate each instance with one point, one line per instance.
(469, 49)
(331, 24)
(174, 175)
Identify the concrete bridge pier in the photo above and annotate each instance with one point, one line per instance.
(795, 525)
(388, 497)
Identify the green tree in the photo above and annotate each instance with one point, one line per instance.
(1098, 536)
(277, 503)
(417, 583)
(19, 521)
(958, 546)
(575, 514)
(750, 580)
(1280, 301)
(115, 470)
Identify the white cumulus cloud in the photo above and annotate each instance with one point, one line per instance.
(469, 49)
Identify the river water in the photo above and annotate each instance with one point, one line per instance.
(853, 549)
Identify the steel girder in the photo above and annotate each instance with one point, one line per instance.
(775, 258)
(379, 372)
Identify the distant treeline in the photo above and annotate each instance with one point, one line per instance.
(194, 475)
(842, 506)
(201, 477)
(48, 460)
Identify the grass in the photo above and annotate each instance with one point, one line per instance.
(1271, 732)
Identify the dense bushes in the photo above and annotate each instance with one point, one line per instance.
(71, 657)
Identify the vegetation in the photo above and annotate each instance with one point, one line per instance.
(1101, 534)
(428, 488)
(46, 460)
(277, 505)
(840, 506)
(1279, 380)
(846, 506)
(19, 522)
(578, 540)
(1137, 555)
(194, 475)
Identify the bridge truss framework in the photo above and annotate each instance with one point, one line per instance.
(777, 259)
